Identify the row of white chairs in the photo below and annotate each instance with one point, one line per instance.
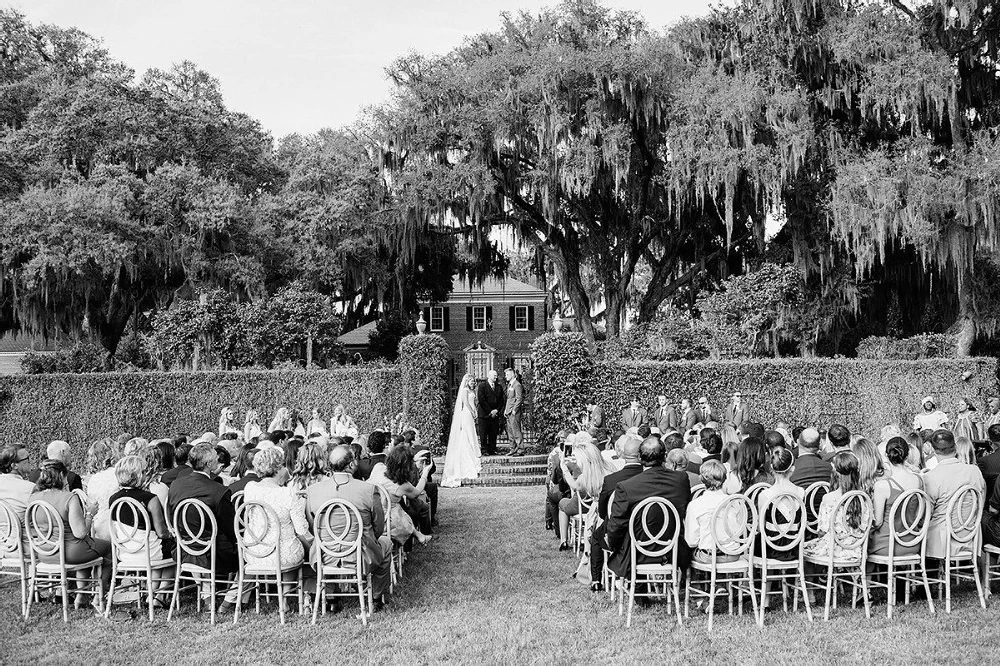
(762, 548)
(338, 560)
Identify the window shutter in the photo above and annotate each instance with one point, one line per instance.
(512, 310)
(468, 319)
(427, 318)
(447, 319)
(489, 317)
(545, 316)
(531, 317)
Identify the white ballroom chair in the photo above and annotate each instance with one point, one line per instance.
(12, 556)
(255, 538)
(780, 535)
(125, 540)
(848, 571)
(961, 561)
(196, 531)
(912, 512)
(339, 558)
(661, 546)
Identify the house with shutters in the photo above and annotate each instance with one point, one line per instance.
(489, 326)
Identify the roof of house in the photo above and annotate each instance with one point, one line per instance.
(358, 337)
(494, 290)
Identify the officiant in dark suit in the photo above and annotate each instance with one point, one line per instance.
(491, 396)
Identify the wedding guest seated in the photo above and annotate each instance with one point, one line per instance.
(785, 510)
(708, 448)
(839, 438)
(166, 449)
(290, 509)
(678, 459)
(181, 466)
(628, 447)
(897, 480)
(752, 466)
(810, 467)
(654, 481)
(964, 450)
(78, 545)
(243, 471)
(376, 546)
(698, 520)
(225, 466)
(101, 485)
(556, 486)
(870, 467)
(584, 472)
(15, 489)
(940, 484)
(773, 439)
(399, 471)
(989, 464)
(310, 467)
(431, 488)
(376, 447)
(60, 450)
(135, 473)
(198, 484)
(846, 478)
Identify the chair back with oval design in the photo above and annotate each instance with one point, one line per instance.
(814, 497)
(386, 507)
(237, 499)
(196, 529)
(338, 531)
(909, 519)
(654, 529)
(734, 525)
(779, 532)
(697, 490)
(753, 491)
(46, 531)
(258, 532)
(962, 521)
(847, 536)
(125, 538)
(11, 545)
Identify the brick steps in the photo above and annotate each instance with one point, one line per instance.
(504, 481)
(505, 471)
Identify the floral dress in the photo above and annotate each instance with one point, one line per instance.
(291, 511)
(820, 546)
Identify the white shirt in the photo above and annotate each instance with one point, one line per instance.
(698, 519)
(930, 420)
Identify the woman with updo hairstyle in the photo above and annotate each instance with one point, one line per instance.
(288, 505)
(101, 485)
(785, 510)
(310, 466)
(898, 478)
(78, 545)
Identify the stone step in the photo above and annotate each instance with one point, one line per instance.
(516, 470)
(505, 481)
(503, 461)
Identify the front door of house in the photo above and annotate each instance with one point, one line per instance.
(479, 360)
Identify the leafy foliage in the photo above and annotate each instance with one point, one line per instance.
(932, 345)
(562, 379)
(423, 360)
(390, 329)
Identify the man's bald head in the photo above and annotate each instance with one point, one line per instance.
(652, 452)
(341, 458)
(58, 450)
(809, 440)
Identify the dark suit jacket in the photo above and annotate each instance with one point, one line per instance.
(737, 416)
(219, 500)
(612, 480)
(703, 418)
(664, 418)
(73, 480)
(690, 419)
(990, 467)
(488, 399)
(828, 455)
(809, 469)
(172, 475)
(241, 483)
(652, 482)
(632, 419)
(366, 466)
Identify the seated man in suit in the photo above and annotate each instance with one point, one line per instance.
(60, 450)
(198, 484)
(809, 466)
(940, 484)
(181, 465)
(840, 440)
(628, 447)
(654, 481)
(634, 416)
(376, 448)
(375, 544)
(989, 464)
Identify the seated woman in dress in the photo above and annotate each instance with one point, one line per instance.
(897, 480)
(310, 467)
(316, 425)
(342, 424)
(78, 545)
(101, 485)
(752, 466)
(399, 471)
(135, 474)
(584, 472)
(251, 426)
(783, 511)
(844, 479)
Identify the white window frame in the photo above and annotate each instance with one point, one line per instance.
(479, 314)
(517, 317)
(437, 312)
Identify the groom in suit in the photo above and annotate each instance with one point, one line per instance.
(489, 401)
(512, 412)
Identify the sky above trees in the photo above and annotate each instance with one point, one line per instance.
(297, 66)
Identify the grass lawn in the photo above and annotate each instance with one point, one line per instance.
(492, 588)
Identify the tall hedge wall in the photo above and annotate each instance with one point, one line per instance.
(36, 409)
(423, 360)
(864, 395)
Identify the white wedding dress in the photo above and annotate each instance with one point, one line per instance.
(462, 461)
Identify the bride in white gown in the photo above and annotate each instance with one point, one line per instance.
(462, 461)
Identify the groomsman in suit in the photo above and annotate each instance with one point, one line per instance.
(689, 417)
(512, 412)
(664, 418)
(634, 416)
(705, 412)
(490, 397)
(737, 413)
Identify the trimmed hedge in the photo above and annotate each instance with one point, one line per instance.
(423, 360)
(864, 395)
(80, 408)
